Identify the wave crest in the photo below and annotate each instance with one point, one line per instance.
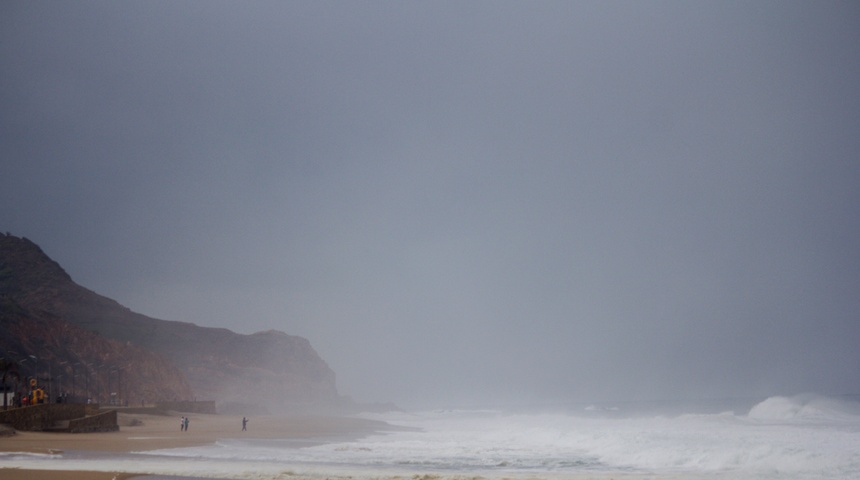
(803, 407)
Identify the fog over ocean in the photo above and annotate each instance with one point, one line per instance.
(802, 437)
(462, 202)
(469, 203)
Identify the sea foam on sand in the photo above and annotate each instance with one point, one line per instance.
(780, 438)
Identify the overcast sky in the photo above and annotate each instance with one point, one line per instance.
(459, 201)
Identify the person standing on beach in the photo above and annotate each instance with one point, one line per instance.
(181, 424)
(244, 424)
(186, 424)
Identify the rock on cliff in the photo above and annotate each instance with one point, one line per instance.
(267, 370)
(79, 364)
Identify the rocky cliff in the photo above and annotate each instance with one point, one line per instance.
(45, 314)
(80, 364)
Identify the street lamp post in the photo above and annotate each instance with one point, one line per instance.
(26, 384)
(87, 377)
(50, 382)
(63, 366)
(99, 384)
(21, 362)
(35, 368)
(101, 376)
(74, 379)
(16, 393)
(109, 390)
(119, 384)
(59, 398)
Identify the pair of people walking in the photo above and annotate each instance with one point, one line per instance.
(183, 424)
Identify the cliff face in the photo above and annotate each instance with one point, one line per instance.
(81, 364)
(267, 370)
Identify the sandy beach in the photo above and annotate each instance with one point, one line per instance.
(147, 432)
(141, 432)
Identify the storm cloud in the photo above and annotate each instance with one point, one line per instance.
(459, 201)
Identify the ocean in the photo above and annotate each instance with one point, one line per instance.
(802, 437)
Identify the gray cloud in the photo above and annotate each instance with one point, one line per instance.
(458, 201)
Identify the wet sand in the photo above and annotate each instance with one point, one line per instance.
(139, 432)
(19, 474)
(152, 432)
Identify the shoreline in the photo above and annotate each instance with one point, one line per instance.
(30, 474)
(120, 455)
(147, 432)
(143, 432)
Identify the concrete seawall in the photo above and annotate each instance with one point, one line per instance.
(38, 418)
(103, 422)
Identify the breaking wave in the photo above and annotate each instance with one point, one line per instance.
(795, 438)
(808, 407)
(780, 437)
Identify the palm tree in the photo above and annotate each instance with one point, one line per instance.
(9, 369)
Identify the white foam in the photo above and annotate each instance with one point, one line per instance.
(491, 441)
(806, 407)
(795, 438)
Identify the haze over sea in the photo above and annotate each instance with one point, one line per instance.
(802, 437)
(459, 203)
